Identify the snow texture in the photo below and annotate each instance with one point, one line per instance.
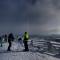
(32, 54)
(25, 56)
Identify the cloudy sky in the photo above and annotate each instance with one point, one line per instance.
(34, 16)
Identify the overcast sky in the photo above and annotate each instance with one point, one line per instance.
(34, 16)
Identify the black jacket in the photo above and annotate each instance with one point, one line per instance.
(10, 37)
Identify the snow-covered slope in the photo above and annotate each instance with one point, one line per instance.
(33, 53)
(25, 56)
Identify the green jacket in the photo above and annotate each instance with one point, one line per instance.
(26, 37)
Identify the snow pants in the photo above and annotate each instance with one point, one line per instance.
(9, 46)
(26, 45)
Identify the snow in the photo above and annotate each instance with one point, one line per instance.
(15, 46)
(53, 42)
(33, 53)
(25, 56)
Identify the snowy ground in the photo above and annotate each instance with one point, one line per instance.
(18, 54)
(26, 56)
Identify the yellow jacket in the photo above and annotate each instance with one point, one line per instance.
(26, 37)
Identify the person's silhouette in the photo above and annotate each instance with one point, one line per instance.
(10, 38)
(26, 37)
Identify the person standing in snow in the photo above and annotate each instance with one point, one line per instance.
(25, 40)
(10, 38)
(20, 41)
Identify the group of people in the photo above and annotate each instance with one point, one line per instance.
(25, 41)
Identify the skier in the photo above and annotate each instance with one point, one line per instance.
(26, 38)
(10, 38)
(20, 41)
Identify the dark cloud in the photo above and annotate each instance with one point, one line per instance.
(29, 15)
